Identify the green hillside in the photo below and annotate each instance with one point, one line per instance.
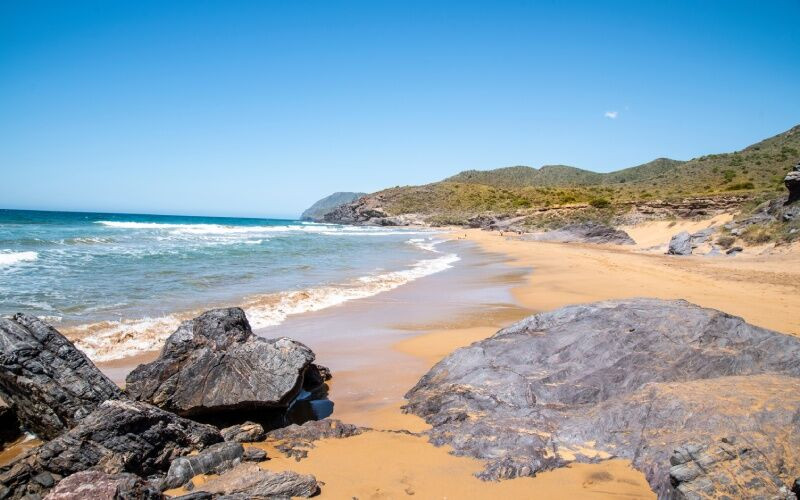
(756, 169)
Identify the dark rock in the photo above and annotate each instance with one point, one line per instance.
(254, 455)
(724, 469)
(9, 424)
(97, 485)
(120, 436)
(50, 384)
(253, 482)
(584, 232)
(701, 236)
(196, 495)
(216, 459)
(296, 440)
(637, 378)
(243, 433)
(314, 380)
(734, 250)
(680, 244)
(213, 368)
(792, 183)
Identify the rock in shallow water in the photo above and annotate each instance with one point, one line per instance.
(214, 368)
(120, 436)
(633, 378)
(49, 383)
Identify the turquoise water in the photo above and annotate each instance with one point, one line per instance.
(119, 283)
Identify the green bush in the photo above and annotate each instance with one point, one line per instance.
(726, 241)
(599, 203)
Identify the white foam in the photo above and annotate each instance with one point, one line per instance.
(119, 339)
(8, 258)
(218, 229)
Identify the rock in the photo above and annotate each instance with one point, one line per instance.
(584, 232)
(119, 436)
(296, 440)
(701, 236)
(254, 455)
(243, 433)
(635, 378)
(734, 250)
(216, 459)
(50, 384)
(792, 183)
(214, 369)
(253, 482)
(96, 485)
(680, 244)
(317, 211)
(9, 424)
(723, 470)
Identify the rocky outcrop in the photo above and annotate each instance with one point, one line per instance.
(296, 440)
(369, 211)
(792, 183)
(97, 485)
(215, 459)
(249, 481)
(247, 432)
(632, 378)
(724, 469)
(213, 368)
(49, 383)
(680, 244)
(584, 232)
(119, 436)
(317, 211)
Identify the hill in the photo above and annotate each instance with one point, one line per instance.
(318, 210)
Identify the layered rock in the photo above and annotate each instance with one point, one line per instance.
(214, 368)
(633, 378)
(50, 384)
(585, 232)
(249, 481)
(119, 436)
(97, 485)
(216, 458)
(247, 432)
(296, 440)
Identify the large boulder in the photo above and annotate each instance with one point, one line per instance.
(213, 368)
(120, 436)
(634, 378)
(49, 383)
(792, 183)
(680, 244)
(97, 485)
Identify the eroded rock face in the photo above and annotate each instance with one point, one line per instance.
(217, 458)
(96, 485)
(680, 244)
(632, 378)
(214, 368)
(120, 436)
(9, 424)
(247, 432)
(249, 481)
(49, 383)
(585, 232)
(792, 183)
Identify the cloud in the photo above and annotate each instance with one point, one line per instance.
(611, 114)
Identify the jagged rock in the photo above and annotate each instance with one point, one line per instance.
(317, 211)
(216, 459)
(792, 183)
(734, 250)
(253, 482)
(119, 436)
(50, 384)
(724, 469)
(584, 232)
(254, 455)
(702, 236)
(296, 440)
(96, 485)
(213, 368)
(631, 378)
(9, 424)
(247, 432)
(680, 244)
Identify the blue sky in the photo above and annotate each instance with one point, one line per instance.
(260, 108)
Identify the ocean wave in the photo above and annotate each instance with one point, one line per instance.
(219, 229)
(110, 340)
(8, 258)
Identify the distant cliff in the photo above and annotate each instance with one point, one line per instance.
(317, 211)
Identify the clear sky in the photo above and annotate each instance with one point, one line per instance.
(260, 108)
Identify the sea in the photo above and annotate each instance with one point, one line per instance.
(119, 284)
